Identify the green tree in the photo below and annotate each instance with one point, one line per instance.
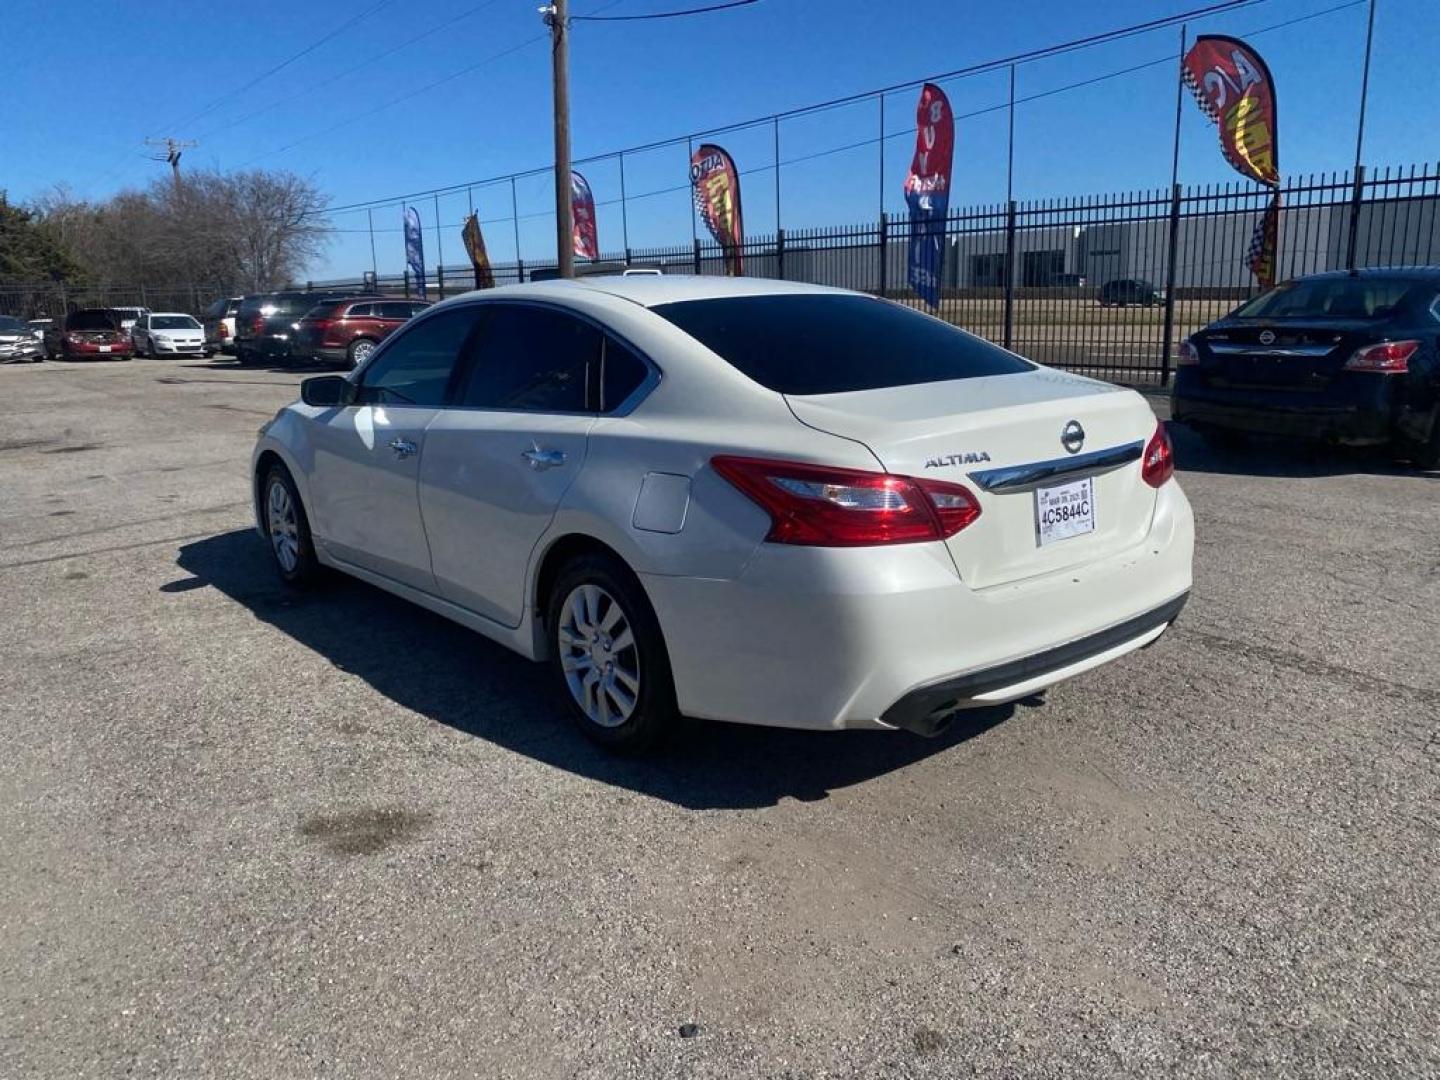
(28, 251)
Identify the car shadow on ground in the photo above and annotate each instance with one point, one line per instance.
(1261, 456)
(304, 367)
(455, 677)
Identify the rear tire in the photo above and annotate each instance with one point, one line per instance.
(609, 656)
(1426, 455)
(288, 530)
(359, 351)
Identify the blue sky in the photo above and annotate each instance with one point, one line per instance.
(77, 113)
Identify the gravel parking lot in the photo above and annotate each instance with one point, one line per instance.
(249, 833)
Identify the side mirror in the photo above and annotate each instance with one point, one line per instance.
(327, 391)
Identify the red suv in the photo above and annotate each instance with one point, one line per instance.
(346, 330)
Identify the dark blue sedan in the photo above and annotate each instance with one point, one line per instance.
(1348, 358)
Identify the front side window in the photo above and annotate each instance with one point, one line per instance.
(414, 368)
(532, 358)
(817, 343)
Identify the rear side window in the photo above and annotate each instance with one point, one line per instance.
(214, 310)
(815, 344)
(531, 358)
(622, 374)
(1329, 298)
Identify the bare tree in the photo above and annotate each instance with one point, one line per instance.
(246, 231)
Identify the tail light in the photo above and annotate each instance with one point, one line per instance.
(74, 339)
(1158, 464)
(1388, 358)
(257, 326)
(1188, 354)
(221, 330)
(820, 506)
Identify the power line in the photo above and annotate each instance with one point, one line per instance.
(662, 14)
(284, 63)
(312, 87)
(950, 76)
(414, 94)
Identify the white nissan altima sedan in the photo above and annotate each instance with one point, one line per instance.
(737, 499)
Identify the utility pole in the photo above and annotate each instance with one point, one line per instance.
(557, 18)
(173, 149)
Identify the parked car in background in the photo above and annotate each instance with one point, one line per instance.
(94, 332)
(265, 323)
(219, 323)
(129, 316)
(1340, 357)
(49, 331)
(737, 499)
(20, 342)
(168, 333)
(1067, 281)
(1124, 291)
(346, 331)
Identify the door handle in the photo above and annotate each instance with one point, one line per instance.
(403, 447)
(543, 459)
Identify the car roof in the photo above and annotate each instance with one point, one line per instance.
(648, 290)
(1379, 273)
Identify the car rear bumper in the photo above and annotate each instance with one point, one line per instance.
(92, 352)
(1360, 424)
(827, 638)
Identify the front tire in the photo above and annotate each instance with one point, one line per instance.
(609, 656)
(288, 529)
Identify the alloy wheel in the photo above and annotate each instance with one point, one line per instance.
(283, 527)
(598, 655)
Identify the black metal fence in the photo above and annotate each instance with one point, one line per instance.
(1105, 285)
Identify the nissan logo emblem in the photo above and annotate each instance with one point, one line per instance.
(1073, 437)
(1267, 337)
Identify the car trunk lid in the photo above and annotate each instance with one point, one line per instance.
(1283, 355)
(979, 431)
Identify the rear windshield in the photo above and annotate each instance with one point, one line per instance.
(173, 322)
(11, 326)
(1332, 298)
(814, 344)
(93, 319)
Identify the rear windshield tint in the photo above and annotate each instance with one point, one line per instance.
(1329, 298)
(812, 344)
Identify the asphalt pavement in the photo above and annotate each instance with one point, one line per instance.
(248, 833)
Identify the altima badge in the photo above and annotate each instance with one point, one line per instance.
(970, 457)
(1073, 437)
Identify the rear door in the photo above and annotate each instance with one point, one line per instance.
(498, 462)
(368, 455)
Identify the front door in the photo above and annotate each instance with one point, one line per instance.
(368, 455)
(498, 462)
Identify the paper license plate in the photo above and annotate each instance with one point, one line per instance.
(1064, 511)
(104, 348)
